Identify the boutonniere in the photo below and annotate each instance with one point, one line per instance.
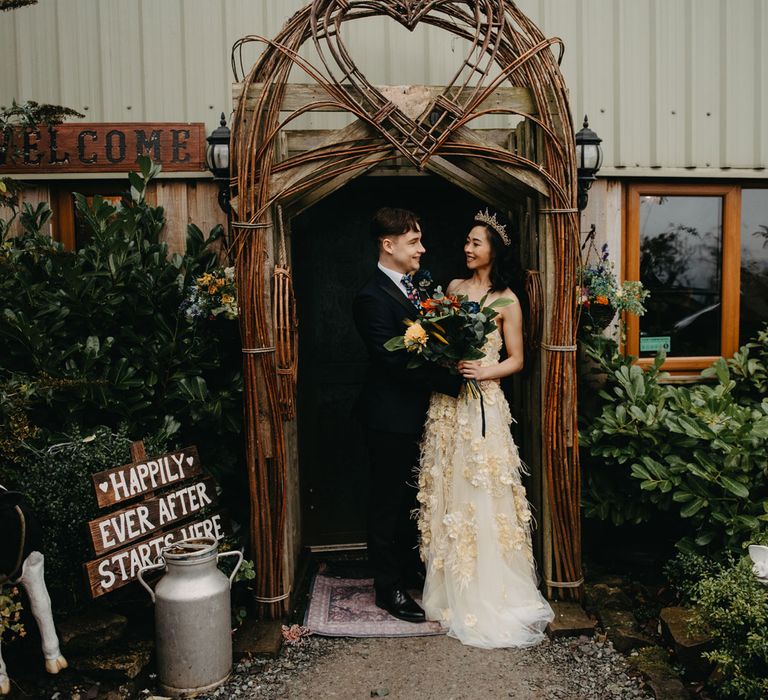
(422, 280)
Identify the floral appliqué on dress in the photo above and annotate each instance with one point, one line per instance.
(472, 505)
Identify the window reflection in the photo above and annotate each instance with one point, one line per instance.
(681, 265)
(753, 312)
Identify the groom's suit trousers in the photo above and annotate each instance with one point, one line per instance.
(392, 408)
(392, 532)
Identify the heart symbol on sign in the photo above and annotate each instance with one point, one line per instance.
(190, 460)
(104, 486)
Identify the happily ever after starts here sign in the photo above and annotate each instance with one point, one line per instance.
(133, 536)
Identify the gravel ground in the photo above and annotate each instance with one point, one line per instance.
(437, 667)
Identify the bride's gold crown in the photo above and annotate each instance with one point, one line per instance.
(486, 217)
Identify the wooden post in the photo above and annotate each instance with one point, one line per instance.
(138, 453)
(547, 263)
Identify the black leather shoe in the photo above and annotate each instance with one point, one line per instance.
(399, 604)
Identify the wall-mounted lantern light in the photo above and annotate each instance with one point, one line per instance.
(589, 158)
(217, 159)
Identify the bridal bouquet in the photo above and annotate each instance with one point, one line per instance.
(450, 328)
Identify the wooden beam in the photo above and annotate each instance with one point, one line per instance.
(299, 95)
(559, 123)
(314, 194)
(287, 180)
(467, 181)
(494, 177)
(521, 178)
(284, 180)
(301, 140)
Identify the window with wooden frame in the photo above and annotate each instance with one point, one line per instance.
(66, 224)
(702, 252)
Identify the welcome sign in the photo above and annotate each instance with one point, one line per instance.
(104, 147)
(173, 494)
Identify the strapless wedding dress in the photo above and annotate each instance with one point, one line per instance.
(474, 522)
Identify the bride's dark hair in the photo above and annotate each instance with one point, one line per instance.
(505, 267)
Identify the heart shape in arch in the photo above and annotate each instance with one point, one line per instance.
(412, 12)
(416, 138)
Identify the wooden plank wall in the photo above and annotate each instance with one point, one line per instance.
(185, 202)
(32, 195)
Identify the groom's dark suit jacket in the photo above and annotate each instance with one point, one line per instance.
(394, 399)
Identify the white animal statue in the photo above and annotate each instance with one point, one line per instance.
(21, 562)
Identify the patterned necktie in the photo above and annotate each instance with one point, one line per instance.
(413, 295)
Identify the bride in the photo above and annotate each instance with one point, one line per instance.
(474, 519)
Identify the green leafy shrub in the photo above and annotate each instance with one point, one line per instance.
(613, 438)
(57, 483)
(687, 570)
(695, 450)
(97, 336)
(749, 368)
(733, 606)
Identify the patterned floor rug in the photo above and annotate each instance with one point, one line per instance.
(346, 607)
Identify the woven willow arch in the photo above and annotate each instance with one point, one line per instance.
(507, 49)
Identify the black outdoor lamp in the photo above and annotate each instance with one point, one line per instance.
(589, 158)
(217, 159)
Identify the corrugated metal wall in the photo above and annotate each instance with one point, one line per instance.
(674, 87)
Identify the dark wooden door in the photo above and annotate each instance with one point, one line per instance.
(333, 256)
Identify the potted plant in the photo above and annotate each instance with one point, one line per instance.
(600, 295)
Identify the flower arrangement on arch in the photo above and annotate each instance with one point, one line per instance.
(600, 295)
(213, 294)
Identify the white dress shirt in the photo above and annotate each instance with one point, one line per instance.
(396, 277)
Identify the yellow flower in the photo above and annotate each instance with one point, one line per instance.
(213, 289)
(205, 279)
(227, 298)
(415, 338)
(220, 283)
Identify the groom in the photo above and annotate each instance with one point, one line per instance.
(393, 409)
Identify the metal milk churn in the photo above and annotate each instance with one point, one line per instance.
(192, 617)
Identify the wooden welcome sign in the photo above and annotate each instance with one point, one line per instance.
(132, 537)
(104, 147)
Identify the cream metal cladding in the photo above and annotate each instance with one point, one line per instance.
(674, 87)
